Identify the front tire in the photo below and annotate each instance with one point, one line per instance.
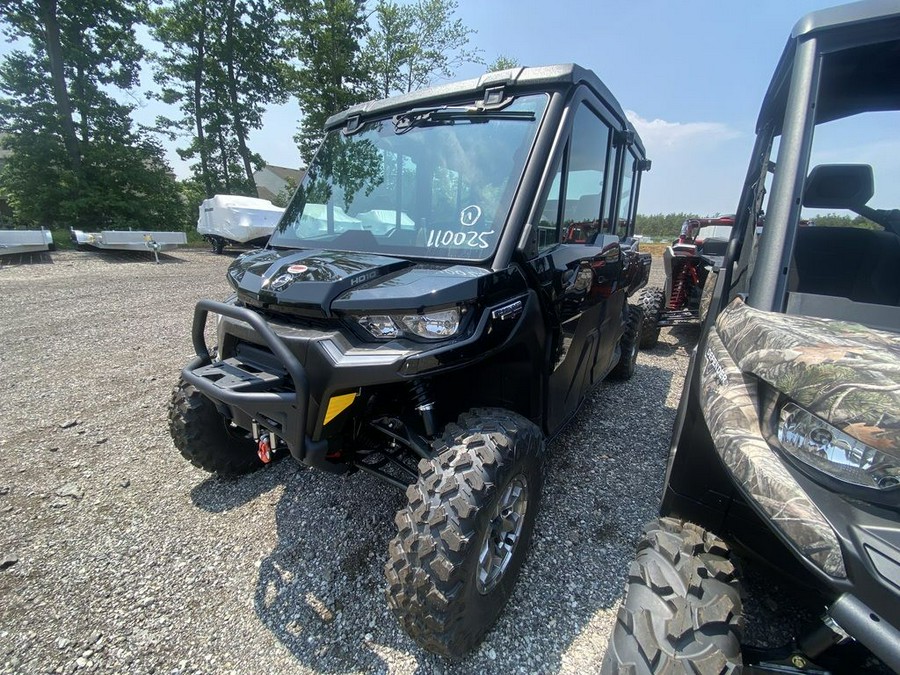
(651, 301)
(204, 438)
(682, 609)
(466, 530)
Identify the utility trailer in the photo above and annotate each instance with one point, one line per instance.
(130, 240)
(25, 241)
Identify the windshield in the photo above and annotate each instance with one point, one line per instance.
(427, 185)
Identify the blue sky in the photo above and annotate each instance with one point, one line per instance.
(690, 74)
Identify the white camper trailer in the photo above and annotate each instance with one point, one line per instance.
(231, 219)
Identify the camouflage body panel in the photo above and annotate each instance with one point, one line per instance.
(729, 401)
(844, 373)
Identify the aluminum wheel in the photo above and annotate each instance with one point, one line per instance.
(503, 534)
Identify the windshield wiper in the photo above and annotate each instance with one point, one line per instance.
(418, 117)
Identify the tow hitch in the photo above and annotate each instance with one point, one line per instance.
(267, 444)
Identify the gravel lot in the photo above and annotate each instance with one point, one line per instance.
(121, 557)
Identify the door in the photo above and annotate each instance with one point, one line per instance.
(579, 265)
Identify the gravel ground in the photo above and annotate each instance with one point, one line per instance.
(119, 556)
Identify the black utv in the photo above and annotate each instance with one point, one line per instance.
(425, 314)
(786, 447)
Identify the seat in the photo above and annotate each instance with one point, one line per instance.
(862, 265)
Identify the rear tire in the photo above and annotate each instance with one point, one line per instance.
(629, 345)
(651, 301)
(682, 610)
(466, 530)
(203, 437)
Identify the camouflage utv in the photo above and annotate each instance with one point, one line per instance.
(786, 447)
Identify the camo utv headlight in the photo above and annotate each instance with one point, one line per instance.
(818, 444)
(429, 325)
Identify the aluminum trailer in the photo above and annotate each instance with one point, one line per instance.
(130, 240)
(25, 241)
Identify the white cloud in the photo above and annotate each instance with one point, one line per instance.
(697, 166)
(663, 136)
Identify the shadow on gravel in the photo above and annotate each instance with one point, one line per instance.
(126, 257)
(321, 590)
(17, 259)
(605, 480)
(217, 495)
(228, 253)
(677, 339)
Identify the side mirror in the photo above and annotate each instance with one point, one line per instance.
(839, 186)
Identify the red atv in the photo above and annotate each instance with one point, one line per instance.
(688, 262)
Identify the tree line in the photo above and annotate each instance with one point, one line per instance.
(667, 226)
(73, 153)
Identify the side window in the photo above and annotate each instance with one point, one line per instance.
(626, 194)
(585, 176)
(548, 223)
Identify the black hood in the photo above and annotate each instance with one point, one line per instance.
(309, 281)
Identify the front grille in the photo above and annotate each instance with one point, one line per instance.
(301, 320)
(295, 318)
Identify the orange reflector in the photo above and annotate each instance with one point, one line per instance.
(337, 405)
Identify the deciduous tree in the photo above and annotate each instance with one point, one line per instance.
(76, 158)
(324, 38)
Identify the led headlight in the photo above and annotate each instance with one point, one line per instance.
(430, 325)
(821, 446)
(434, 325)
(379, 325)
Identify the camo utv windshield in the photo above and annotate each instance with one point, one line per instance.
(435, 183)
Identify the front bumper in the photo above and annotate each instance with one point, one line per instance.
(281, 376)
(278, 400)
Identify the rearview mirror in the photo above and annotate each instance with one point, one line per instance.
(839, 186)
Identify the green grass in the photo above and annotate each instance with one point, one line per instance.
(194, 238)
(656, 250)
(63, 239)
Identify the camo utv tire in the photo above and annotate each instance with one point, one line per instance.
(203, 438)
(466, 530)
(651, 302)
(682, 610)
(629, 345)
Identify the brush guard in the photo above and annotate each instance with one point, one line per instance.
(277, 401)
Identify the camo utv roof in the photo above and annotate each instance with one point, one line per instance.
(863, 81)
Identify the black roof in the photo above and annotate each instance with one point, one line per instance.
(537, 78)
(844, 16)
(863, 78)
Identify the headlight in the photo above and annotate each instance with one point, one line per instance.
(430, 325)
(821, 446)
(379, 325)
(435, 325)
